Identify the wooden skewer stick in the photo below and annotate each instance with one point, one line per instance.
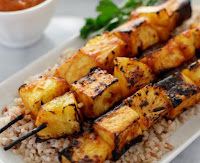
(34, 131)
(20, 117)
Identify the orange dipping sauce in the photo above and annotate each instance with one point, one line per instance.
(14, 5)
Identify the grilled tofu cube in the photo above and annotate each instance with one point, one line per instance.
(104, 48)
(151, 103)
(138, 34)
(181, 91)
(88, 148)
(119, 128)
(98, 91)
(193, 72)
(40, 92)
(132, 74)
(76, 67)
(180, 9)
(61, 115)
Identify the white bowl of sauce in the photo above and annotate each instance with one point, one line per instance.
(23, 21)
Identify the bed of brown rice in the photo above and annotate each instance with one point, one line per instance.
(154, 145)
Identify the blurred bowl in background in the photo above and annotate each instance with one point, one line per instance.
(24, 27)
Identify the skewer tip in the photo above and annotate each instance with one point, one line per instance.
(34, 131)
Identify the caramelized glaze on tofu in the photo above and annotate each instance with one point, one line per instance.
(181, 91)
(132, 74)
(88, 148)
(151, 103)
(104, 48)
(178, 9)
(76, 67)
(176, 51)
(193, 72)
(119, 128)
(62, 117)
(40, 92)
(98, 91)
(138, 34)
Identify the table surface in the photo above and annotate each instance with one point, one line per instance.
(67, 21)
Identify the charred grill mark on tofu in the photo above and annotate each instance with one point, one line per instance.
(176, 101)
(175, 86)
(184, 10)
(116, 155)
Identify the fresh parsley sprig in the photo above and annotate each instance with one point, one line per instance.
(110, 16)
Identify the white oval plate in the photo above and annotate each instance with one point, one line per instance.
(181, 138)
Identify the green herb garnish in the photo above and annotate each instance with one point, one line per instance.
(110, 16)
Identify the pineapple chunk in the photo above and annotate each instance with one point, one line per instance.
(119, 128)
(103, 49)
(159, 19)
(188, 42)
(132, 74)
(151, 103)
(76, 67)
(138, 34)
(165, 58)
(175, 52)
(61, 115)
(181, 91)
(193, 72)
(40, 92)
(88, 148)
(98, 91)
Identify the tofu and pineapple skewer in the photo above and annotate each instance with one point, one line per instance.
(99, 91)
(133, 74)
(113, 40)
(57, 118)
(129, 39)
(37, 93)
(122, 127)
(100, 88)
(111, 46)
